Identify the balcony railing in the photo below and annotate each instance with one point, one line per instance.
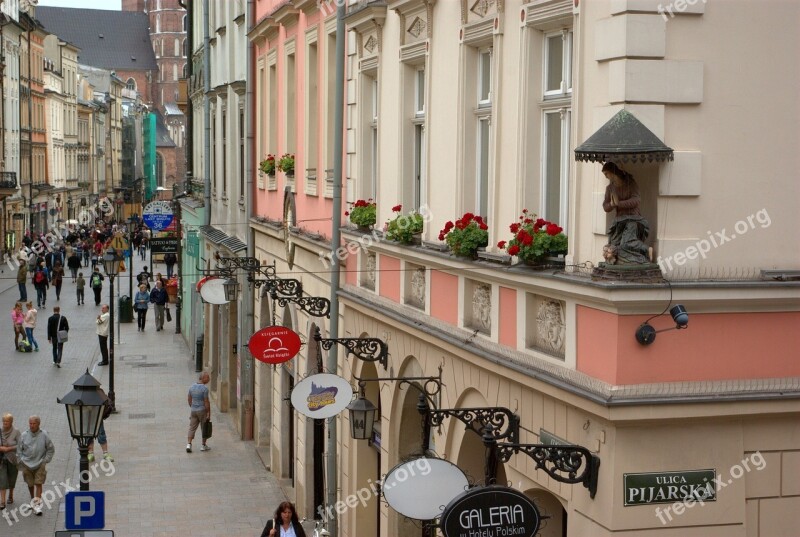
(8, 180)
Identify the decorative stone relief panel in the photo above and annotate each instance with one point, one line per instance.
(371, 45)
(546, 325)
(476, 10)
(368, 270)
(482, 308)
(416, 290)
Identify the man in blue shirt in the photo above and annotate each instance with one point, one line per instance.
(200, 409)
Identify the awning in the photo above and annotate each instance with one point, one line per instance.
(623, 139)
(220, 238)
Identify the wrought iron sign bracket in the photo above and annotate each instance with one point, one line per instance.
(316, 306)
(368, 349)
(285, 287)
(500, 422)
(564, 463)
(431, 386)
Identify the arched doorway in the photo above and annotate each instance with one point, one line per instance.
(555, 525)
(468, 446)
(366, 462)
(288, 417)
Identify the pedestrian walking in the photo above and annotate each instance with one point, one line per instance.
(145, 277)
(57, 332)
(284, 522)
(29, 324)
(41, 282)
(96, 283)
(102, 439)
(57, 278)
(170, 260)
(140, 303)
(103, 320)
(74, 264)
(199, 409)
(34, 451)
(9, 440)
(22, 278)
(80, 286)
(158, 296)
(87, 253)
(17, 318)
(143, 248)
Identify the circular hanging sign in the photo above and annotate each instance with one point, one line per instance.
(274, 345)
(213, 291)
(202, 281)
(490, 511)
(322, 395)
(157, 215)
(420, 488)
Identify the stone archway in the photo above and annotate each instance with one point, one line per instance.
(549, 506)
(470, 453)
(366, 461)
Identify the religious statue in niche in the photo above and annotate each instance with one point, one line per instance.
(629, 230)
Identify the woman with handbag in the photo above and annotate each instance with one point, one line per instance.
(284, 522)
(9, 438)
(140, 303)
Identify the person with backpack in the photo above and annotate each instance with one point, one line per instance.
(80, 285)
(57, 333)
(96, 283)
(41, 283)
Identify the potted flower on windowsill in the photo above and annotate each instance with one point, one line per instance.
(466, 235)
(172, 288)
(404, 228)
(286, 164)
(536, 242)
(267, 165)
(363, 214)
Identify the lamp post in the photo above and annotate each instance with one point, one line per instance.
(84, 404)
(111, 263)
(69, 207)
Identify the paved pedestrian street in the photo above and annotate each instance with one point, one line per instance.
(153, 488)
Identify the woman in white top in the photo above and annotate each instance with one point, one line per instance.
(29, 324)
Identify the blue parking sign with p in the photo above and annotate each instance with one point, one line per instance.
(85, 510)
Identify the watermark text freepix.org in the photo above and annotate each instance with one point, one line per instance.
(699, 495)
(678, 6)
(59, 490)
(702, 247)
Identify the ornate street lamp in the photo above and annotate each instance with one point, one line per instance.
(84, 405)
(111, 260)
(231, 286)
(362, 417)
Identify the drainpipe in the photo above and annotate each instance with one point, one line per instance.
(338, 142)
(206, 116)
(248, 322)
(189, 139)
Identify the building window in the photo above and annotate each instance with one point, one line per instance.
(177, 47)
(555, 164)
(241, 153)
(185, 28)
(483, 132)
(174, 72)
(159, 170)
(558, 64)
(224, 154)
(419, 138)
(312, 117)
(373, 136)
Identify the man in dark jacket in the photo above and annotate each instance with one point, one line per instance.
(158, 296)
(170, 260)
(56, 323)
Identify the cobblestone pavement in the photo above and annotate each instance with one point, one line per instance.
(154, 487)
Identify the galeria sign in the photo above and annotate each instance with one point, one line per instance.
(490, 512)
(274, 345)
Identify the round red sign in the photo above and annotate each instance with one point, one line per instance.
(274, 345)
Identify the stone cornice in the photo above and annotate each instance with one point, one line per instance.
(366, 18)
(263, 30)
(286, 14)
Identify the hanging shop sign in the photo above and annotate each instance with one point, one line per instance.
(549, 439)
(321, 396)
(492, 511)
(670, 487)
(213, 291)
(164, 246)
(274, 345)
(420, 487)
(157, 215)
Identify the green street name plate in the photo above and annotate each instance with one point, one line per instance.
(549, 439)
(670, 487)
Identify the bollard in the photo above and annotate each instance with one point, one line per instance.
(198, 354)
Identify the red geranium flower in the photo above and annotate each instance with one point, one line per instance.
(347, 213)
(553, 229)
(397, 208)
(513, 249)
(501, 244)
(514, 227)
(483, 226)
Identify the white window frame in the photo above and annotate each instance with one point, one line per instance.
(374, 148)
(419, 92)
(563, 191)
(484, 103)
(565, 89)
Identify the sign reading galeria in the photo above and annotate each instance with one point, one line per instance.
(490, 512)
(670, 487)
(274, 345)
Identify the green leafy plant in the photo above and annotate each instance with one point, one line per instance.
(466, 235)
(268, 165)
(403, 227)
(534, 238)
(286, 163)
(363, 213)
